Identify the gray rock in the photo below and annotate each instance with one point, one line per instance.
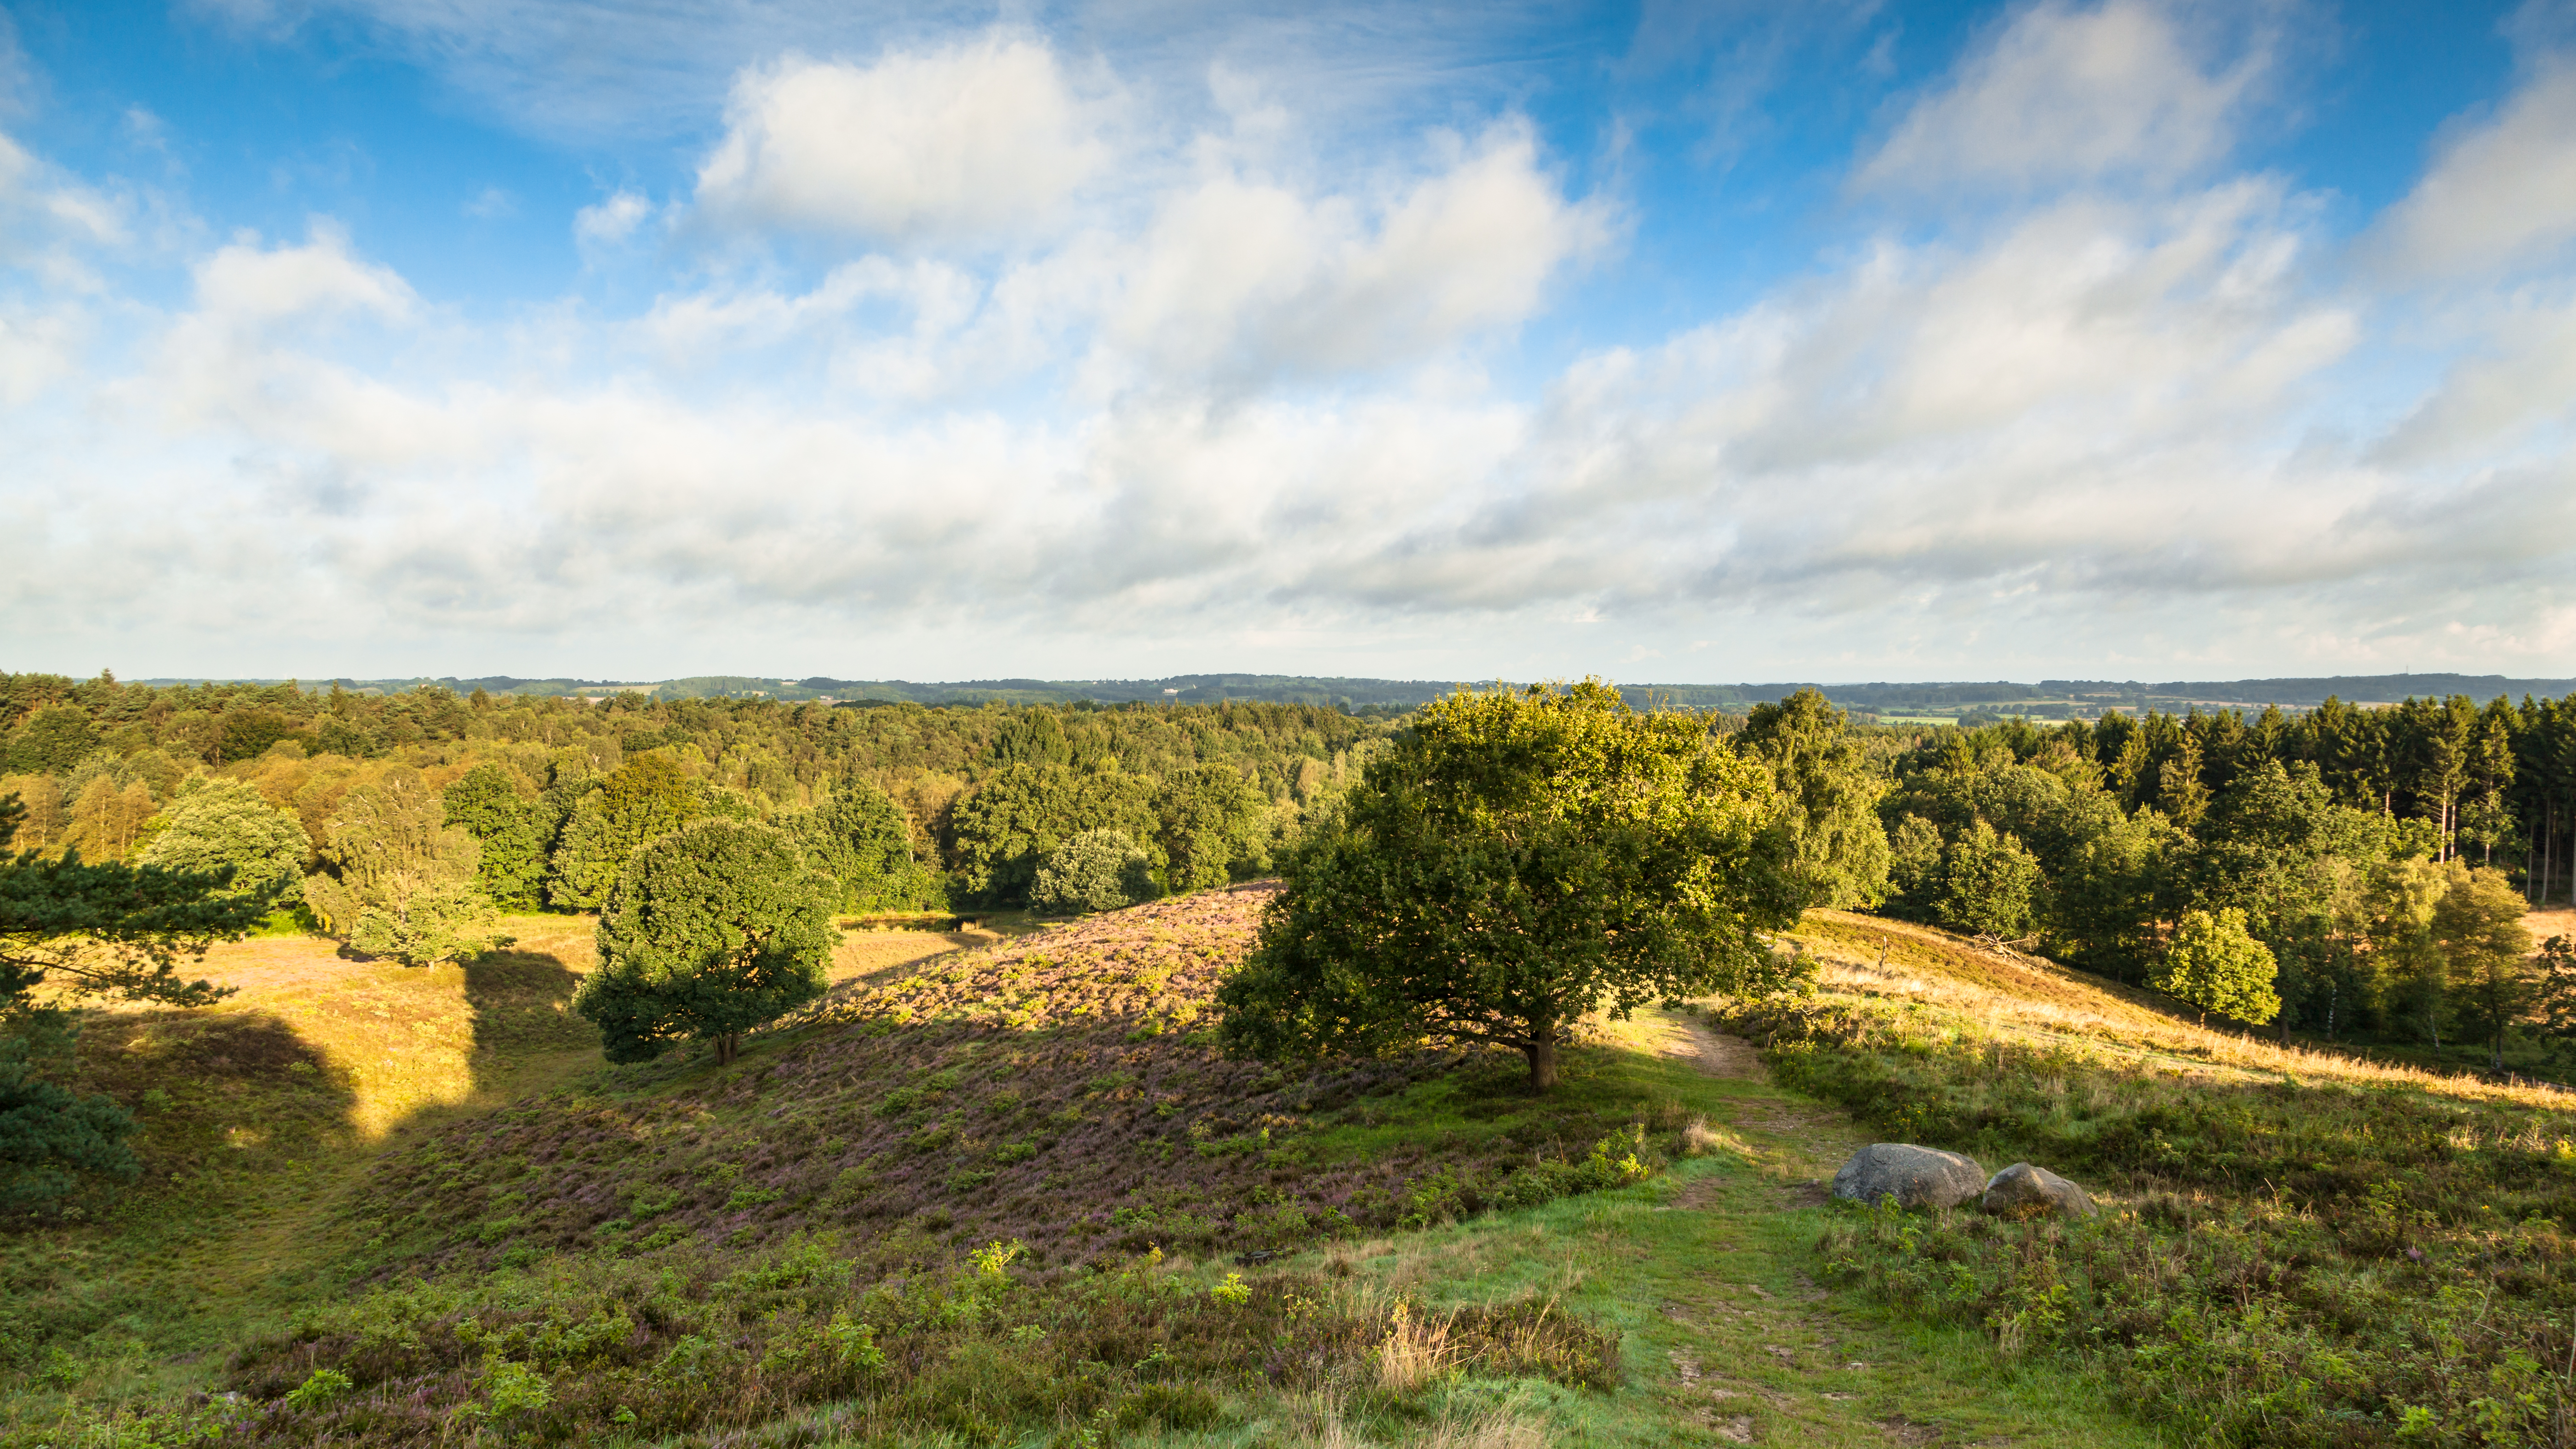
(1918, 1177)
(2024, 1191)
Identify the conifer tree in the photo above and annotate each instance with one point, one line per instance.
(69, 932)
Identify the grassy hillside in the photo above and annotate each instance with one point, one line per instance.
(2305, 1248)
(1004, 1195)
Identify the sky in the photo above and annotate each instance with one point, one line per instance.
(1665, 342)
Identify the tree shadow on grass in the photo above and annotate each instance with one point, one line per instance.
(522, 1003)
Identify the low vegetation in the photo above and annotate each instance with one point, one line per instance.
(2303, 1249)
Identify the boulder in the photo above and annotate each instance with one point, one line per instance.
(1918, 1177)
(2024, 1191)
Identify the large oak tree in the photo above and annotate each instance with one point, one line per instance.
(1517, 861)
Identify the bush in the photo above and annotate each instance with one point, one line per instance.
(1097, 870)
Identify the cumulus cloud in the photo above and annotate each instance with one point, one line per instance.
(1243, 276)
(1248, 399)
(956, 143)
(2067, 94)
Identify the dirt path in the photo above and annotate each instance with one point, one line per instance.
(1749, 1348)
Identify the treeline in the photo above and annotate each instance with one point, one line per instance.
(908, 807)
(2380, 858)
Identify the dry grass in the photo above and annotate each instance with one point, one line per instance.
(401, 1041)
(1503, 1427)
(2045, 1002)
(1415, 1351)
(873, 957)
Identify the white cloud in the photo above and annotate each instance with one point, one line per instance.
(2499, 194)
(1235, 393)
(1239, 276)
(957, 143)
(2067, 94)
(246, 284)
(609, 222)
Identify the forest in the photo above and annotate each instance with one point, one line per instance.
(2332, 837)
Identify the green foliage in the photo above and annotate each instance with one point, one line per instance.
(70, 931)
(51, 741)
(225, 825)
(1517, 862)
(715, 929)
(1096, 870)
(1988, 882)
(861, 839)
(2478, 926)
(1842, 854)
(399, 881)
(641, 801)
(1209, 825)
(1010, 824)
(2294, 1262)
(699, 1346)
(509, 829)
(2213, 964)
(323, 1386)
(52, 1138)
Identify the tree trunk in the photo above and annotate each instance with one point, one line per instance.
(726, 1046)
(1541, 1051)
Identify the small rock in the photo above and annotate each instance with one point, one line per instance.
(2024, 1191)
(1918, 1177)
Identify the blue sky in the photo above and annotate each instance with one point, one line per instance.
(1675, 342)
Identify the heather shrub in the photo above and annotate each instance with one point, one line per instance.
(2284, 1263)
(978, 1347)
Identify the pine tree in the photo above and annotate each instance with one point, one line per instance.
(69, 932)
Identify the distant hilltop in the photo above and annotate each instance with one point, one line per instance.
(1941, 702)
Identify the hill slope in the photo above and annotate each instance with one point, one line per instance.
(2305, 1248)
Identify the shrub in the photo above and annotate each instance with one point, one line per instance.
(1097, 870)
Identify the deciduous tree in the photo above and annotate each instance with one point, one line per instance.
(2486, 952)
(1842, 849)
(1097, 870)
(219, 824)
(399, 881)
(487, 803)
(1520, 860)
(2215, 964)
(713, 930)
(640, 801)
(862, 841)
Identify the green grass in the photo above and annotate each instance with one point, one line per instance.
(678, 1254)
(2298, 1250)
